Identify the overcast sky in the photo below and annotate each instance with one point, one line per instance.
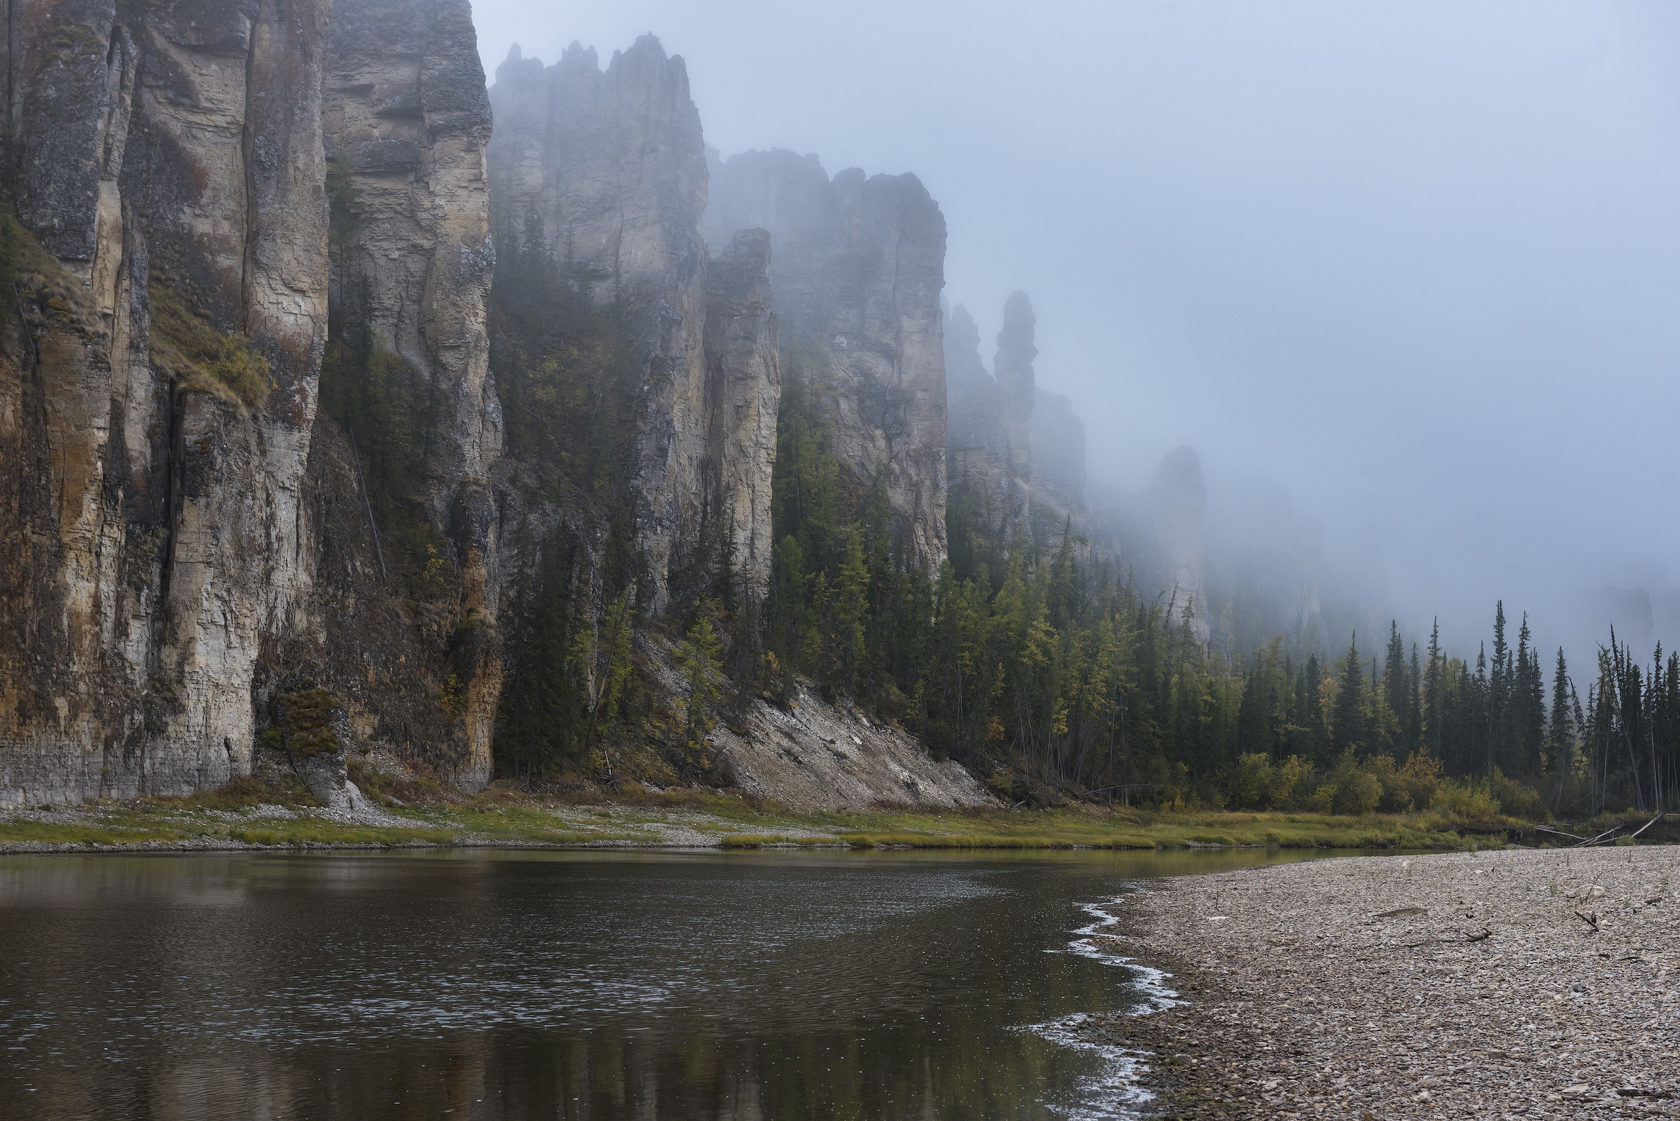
(1418, 263)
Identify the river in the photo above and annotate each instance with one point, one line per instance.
(594, 986)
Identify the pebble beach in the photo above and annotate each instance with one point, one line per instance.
(1531, 984)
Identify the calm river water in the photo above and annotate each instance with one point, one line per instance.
(600, 986)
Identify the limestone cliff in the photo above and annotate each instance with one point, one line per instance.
(406, 121)
(746, 384)
(164, 531)
(858, 268)
(603, 174)
(159, 382)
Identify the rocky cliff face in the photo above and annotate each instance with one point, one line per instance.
(158, 386)
(168, 173)
(406, 121)
(858, 268)
(746, 383)
(604, 173)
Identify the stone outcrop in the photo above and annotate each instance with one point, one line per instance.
(168, 175)
(605, 170)
(858, 268)
(161, 538)
(406, 121)
(746, 385)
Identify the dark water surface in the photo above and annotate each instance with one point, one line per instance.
(506, 984)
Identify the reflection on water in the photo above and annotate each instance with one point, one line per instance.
(564, 985)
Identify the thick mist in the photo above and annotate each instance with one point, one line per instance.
(1409, 271)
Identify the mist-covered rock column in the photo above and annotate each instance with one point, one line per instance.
(746, 386)
(1013, 368)
(606, 169)
(856, 278)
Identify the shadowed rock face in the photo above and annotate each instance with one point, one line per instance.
(161, 527)
(406, 120)
(608, 169)
(858, 269)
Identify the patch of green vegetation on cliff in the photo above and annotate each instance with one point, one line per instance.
(200, 357)
(304, 725)
(390, 411)
(9, 259)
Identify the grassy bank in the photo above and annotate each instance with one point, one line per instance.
(250, 816)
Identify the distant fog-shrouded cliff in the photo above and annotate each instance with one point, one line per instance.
(1016, 450)
(856, 274)
(600, 177)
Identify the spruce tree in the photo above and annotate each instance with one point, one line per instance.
(1433, 709)
(1347, 719)
(1560, 737)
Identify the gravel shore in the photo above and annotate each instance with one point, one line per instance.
(1517, 983)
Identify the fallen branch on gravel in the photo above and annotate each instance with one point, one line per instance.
(1591, 920)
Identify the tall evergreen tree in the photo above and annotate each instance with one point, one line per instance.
(1433, 709)
(1347, 720)
(1560, 736)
